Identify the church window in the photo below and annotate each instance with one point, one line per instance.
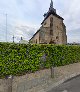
(51, 32)
(51, 19)
(51, 22)
(36, 40)
(57, 37)
(39, 39)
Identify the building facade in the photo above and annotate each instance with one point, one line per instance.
(52, 30)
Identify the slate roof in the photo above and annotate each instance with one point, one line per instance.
(53, 13)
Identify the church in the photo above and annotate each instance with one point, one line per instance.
(52, 30)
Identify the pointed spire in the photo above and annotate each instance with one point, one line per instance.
(51, 7)
(51, 4)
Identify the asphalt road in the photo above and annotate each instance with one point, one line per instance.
(72, 85)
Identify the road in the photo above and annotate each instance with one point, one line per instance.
(72, 85)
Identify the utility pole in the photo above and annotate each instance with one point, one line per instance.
(13, 38)
(6, 27)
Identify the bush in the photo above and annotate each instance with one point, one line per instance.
(16, 59)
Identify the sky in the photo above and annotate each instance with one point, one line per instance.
(24, 17)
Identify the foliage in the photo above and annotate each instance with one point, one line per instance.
(16, 59)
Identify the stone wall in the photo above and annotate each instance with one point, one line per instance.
(24, 83)
(35, 39)
(2, 85)
(39, 81)
(6, 85)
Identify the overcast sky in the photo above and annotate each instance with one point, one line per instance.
(25, 16)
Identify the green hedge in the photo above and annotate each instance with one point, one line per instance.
(16, 59)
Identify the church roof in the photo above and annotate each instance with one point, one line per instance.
(51, 11)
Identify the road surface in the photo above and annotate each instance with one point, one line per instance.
(72, 85)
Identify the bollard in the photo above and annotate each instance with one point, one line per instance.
(8, 87)
(52, 72)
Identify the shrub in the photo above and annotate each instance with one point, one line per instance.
(16, 59)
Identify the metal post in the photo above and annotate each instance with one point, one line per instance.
(52, 72)
(13, 38)
(52, 69)
(6, 27)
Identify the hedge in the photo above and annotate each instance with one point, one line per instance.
(16, 59)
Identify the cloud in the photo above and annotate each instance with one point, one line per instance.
(69, 10)
(25, 16)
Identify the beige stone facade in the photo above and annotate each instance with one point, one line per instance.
(52, 31)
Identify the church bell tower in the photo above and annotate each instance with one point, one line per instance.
(52, 30)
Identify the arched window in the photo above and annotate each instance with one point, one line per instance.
(36, 40)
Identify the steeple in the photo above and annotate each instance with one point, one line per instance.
(51, 8)
(52, 11)
(51, 5)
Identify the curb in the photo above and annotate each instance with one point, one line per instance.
(62, 81)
